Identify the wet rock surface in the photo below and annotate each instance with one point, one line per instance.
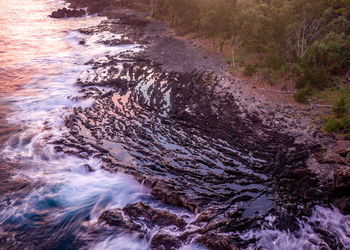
(158, 217)
(181, 133)
(141, 217)
(115, 218)
(213, 241)
(164, 241)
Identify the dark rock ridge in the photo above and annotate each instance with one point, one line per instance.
(165, 241)
(139, 216)
(66, 13)
(142, 212)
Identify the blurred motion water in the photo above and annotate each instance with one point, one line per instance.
(48, 200)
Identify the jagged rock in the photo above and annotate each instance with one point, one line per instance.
(285, 222)
(216, 242)
(342, 189)
(64, 12)
(88, 168)
(342, 148)
(332, 157)
(115, 218)
(343, 204)
(158, 217)
(206, 216)
(300, 183)
(168, 196)
(348, 158)
(342, 177)
(164, 242)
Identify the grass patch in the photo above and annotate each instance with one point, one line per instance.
(331, 124)
(333, 94)
(339, 98)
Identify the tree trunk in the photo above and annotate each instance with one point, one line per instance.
(233, 52)
(152, 8)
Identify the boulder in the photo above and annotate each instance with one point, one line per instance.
(348, 158)
(158, 217)
(332, 157)
(216, 242)
(342, 148)
(343, 205)
(64, 12)
(115, 218)
(342, 178)
(165, 242)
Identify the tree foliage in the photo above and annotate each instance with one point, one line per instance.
(313, 34)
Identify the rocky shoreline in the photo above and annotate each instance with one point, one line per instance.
(167, 113)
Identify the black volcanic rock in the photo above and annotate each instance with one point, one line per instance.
(64, 13)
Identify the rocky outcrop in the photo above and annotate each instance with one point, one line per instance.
(192, 143)
(158, 217)
(126, 217)
(165, 242)
(342, 178)
(342, 147)
(66, 13)
(342, 189)
(332, 157)
(116, 218)
(215, 242)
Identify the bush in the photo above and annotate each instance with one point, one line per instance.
(340, 108)
(302, 94)
(332, 124)
(316, 77)
(346, 124)
(331, 52)
(249, 70)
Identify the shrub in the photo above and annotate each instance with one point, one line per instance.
(331, 52)
(302, 94)
(340, 108)
(346, 124)
(316, 77)
(249, 70)
(332, 124)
